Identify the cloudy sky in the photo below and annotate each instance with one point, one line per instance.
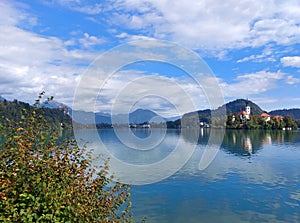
(252, 47)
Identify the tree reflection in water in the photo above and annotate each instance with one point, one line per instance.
(241, 142)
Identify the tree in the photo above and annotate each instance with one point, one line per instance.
(43, 181)
(289, 123)
(230, 121)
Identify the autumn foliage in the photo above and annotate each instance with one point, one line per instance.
(42, 180)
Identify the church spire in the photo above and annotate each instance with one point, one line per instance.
(247, 108)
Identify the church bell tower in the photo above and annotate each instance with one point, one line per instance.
(248, 109)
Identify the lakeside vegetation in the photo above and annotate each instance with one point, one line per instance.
(258, 122)
(45, 180)
(234, 121)
(13, 111)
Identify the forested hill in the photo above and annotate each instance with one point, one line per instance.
(239, 105)
(13, 110)
(294, 112)
(231, 107)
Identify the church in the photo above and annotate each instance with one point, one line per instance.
(245, 115)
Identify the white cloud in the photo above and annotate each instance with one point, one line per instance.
(257, 85)
(84, 40)
(266, 55)
(8, 15)
(279, 30)
(292, 80)
(92, 10)
(129, 37)
(31, 63)
(251, 84)
(88, 40)
(293, 61)
(205, 25)
(213, 25)
(86, 7)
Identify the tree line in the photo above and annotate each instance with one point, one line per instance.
(258, 122)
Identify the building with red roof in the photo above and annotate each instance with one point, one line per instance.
(266, 116)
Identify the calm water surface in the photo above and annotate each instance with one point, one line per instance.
(255, 177)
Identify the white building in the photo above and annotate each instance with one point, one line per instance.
(245, 115)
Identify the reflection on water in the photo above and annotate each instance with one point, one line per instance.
(243, 142)
(254, 178)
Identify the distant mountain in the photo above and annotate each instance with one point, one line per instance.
(84, 117)
(138, 116)
(55, 104)
(2, 99)
(173, 118)
(102, 117)
(294, 112)
(142, 115)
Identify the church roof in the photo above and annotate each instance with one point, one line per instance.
(242, 113)
(278, 117)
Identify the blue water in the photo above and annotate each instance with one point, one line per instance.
(255, 177)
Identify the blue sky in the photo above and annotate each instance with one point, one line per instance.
(252, 47)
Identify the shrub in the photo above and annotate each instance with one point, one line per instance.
(42, 180)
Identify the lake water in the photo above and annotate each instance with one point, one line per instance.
(254, 177)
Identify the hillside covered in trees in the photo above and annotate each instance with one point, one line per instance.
(13, 111)
(239, 105)
(294, 113)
